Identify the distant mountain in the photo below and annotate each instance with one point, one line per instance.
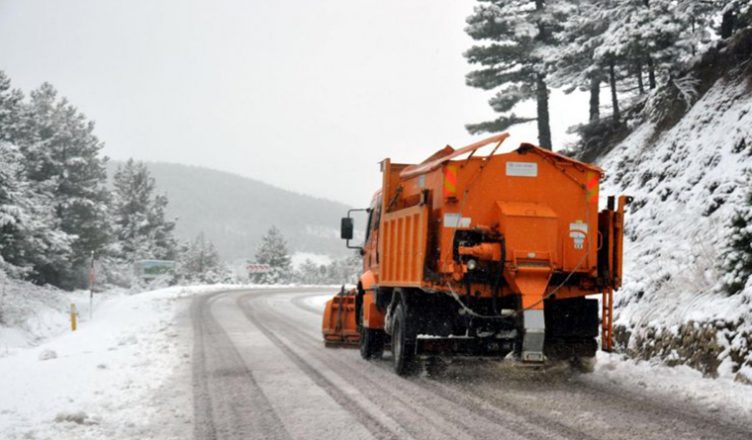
(234, 212)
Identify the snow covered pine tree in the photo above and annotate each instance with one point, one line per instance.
(521, 33)
(273, 251)
(32, 246)
(737, 257)
(199, 262)
(31, 243)
(61, 155)
(140, 226)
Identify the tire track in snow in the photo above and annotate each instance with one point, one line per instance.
(512, 417)
(376, 427)
(473, 401)
(395, 393)
(228, 403)
(611, 412)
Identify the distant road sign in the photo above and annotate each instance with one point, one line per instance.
(150, 269)
(258, 268)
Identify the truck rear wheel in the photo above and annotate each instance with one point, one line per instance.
(403, 342)
(583, 364)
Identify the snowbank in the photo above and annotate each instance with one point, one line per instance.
(29, 313)
(125, 373)
(318, 302)
(679, 383)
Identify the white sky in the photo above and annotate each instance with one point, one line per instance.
(308, 95)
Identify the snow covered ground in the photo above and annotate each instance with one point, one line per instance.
(123, 374)
(127, 374)
(721, 395)
(317, 302)
(686, 182)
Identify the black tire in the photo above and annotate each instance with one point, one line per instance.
(583, 364)
(371, 341)
(403, 342)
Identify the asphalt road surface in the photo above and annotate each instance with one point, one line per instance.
(260, 371)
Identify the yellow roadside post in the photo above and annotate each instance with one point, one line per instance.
(73, 315)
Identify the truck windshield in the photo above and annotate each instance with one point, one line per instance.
(373, 219)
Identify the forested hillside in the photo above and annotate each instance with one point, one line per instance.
(687, 296)
(53, 199)
(234, 212)
(59, 220)
(622, 49)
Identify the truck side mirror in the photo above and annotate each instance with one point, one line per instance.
(346, 229)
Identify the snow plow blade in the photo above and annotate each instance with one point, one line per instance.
(340, 327)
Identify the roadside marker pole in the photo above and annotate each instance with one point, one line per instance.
(91, 287)
(73, 314)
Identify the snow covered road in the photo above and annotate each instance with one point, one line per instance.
(211, 363)
(260, 371)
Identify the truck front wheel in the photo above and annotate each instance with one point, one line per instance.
(371, 341)
(403, 342)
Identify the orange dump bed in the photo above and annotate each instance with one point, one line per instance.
(544, 205)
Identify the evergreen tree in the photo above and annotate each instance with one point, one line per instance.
(199, 262)
(31, 243)
(628, 44)
(273, 251)
(735, 15)
(737, 257)
(139, 216)
(575, 65)
(62, 156)
(517, 37)
(696, 18)
(11, 101)
(311, 273)
(340, 271)
(163, 239)
(345, 270)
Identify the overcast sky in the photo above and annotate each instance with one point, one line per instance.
(308, 95)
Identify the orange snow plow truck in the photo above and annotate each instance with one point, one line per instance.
(483, 255)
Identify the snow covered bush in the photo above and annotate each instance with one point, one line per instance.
(737, 257)
(341, 271)
(199, 262)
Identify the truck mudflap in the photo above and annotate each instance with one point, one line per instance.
(340, 327)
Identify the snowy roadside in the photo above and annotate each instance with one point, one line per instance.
(127, 374)
(123, 374)
(720, 396)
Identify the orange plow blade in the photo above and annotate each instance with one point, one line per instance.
(340, 326)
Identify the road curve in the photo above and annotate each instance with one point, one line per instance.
(260, 371)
